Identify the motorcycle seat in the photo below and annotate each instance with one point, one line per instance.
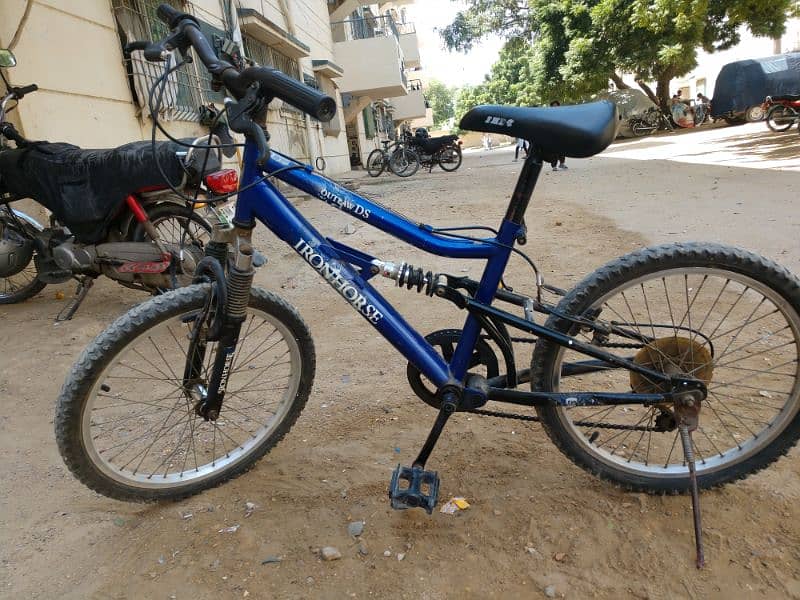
(577, 131)
(85, 188)
(787, 97)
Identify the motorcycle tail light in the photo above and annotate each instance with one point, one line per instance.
(460, 143)
(225, 181)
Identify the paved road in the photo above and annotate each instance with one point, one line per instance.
(736, 185)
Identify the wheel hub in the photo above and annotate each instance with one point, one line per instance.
(15, 252)
(672, 355)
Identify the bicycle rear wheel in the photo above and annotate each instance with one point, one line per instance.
(126, 424)
(723, 315)
(404, 162)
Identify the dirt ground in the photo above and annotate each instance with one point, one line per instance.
(590, 539)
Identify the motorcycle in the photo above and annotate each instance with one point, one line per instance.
(782, 111)
(444, 150)
(111, 212)
(649, 122)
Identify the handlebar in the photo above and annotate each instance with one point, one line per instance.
(19, 92)
(273, 83)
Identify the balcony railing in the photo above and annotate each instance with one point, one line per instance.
(362, 29)
(414, 85)
(404, 28)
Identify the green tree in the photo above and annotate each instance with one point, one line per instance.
(440, 99)
(580, 44)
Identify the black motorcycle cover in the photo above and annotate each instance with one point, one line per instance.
(432, 144)
(85, 189)
(747, 83)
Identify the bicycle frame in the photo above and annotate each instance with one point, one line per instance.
(348, 271)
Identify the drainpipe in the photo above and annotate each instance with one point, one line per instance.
(310, 139)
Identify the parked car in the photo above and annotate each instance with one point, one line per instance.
(742, 86)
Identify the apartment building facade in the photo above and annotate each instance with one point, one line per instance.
(93, 96)
(379, 52)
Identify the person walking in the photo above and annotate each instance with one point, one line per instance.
(523, 145)
(559, 162)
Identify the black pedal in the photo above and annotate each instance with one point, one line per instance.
(422, 490)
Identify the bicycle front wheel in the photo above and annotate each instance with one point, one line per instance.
(126, 424)
(719, 314)
(376, 162)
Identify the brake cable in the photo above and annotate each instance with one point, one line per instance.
(154, 112)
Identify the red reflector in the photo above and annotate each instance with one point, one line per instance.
(460, 143)
(223, 182)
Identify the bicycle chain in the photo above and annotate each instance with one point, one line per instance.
(531, 418)
(600, 345)
(593, 424)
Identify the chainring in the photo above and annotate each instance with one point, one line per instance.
(445, 341)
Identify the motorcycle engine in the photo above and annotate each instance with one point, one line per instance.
(16, 252)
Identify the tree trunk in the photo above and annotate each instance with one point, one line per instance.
(647, 90)
(621, 85)
(662, 90)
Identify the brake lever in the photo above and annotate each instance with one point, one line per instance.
(239, 120)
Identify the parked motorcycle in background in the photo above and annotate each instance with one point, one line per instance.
(111, 212)
(649, 121)
(782, 111)
(444, 150)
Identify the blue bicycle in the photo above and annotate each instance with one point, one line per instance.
(671, 369)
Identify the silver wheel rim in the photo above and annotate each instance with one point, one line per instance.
(174, 230)
(710, 452)
(236, 435)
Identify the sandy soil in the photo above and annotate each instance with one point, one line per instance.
(590, 539)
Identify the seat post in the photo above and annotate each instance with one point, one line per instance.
(524, 188)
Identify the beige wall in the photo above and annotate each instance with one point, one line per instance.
(411, 106)
(71, 49)
(368, 67)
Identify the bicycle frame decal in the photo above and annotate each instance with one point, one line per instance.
(339, 283)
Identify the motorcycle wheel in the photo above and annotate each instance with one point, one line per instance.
(639, 129)
(450, 158)
(179, 226)
(376, 163)
(23, 283)
(176, 224)
(781, 118)
(404, 162)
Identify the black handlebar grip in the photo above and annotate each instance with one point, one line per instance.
(25, 89)
(138, 45)
(311, 101)
(170, 15)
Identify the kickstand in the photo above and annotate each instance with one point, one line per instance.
(688, 453)
(66, 313)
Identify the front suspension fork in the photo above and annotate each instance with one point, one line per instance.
(238, 282)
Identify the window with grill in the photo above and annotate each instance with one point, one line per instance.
(188, 87)
(263, 55)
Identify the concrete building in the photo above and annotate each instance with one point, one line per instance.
(379, 53)
(90, 95)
